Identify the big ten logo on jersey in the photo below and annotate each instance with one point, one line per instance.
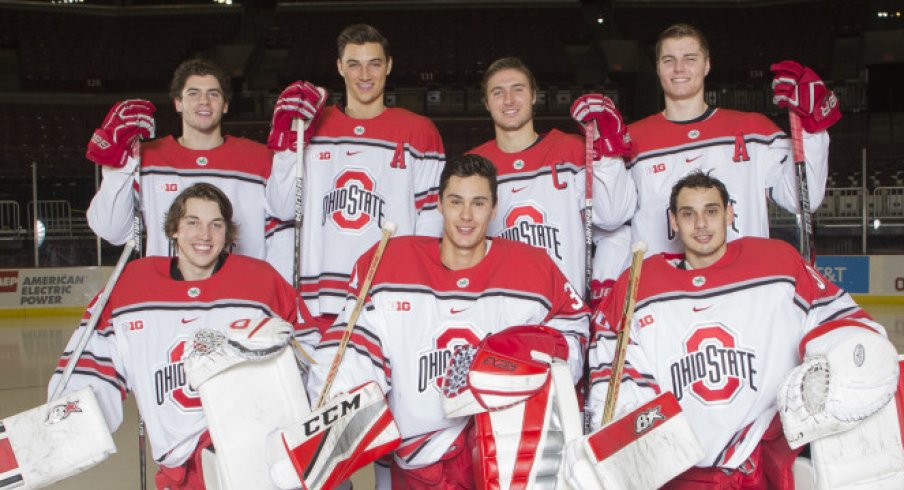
(353, 203)
(714, 369)
(170, 381)
(527, 224)
(433, 362)
(168, 187)
(322, 155)
(398, 305)
(655, 168)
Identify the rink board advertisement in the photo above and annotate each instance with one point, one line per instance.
(49, 291)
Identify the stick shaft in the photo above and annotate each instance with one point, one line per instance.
(589, 132)
(299, 175)
(353, 318)
(624, 336)
(92, 321)
(805, 224)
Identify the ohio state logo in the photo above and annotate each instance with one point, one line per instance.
(170, 381)
(526, 224)
(714, 369)
(432, 363)
(352, 204)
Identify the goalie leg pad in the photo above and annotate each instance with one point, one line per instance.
(56, 440)
(522, 446)
(641, 450)
(242, 405)
(351, 431)
(869, 456)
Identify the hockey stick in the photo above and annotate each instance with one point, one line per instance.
(624, 334)
(805, 219)
(136, 237)
(388, 229)
(299, 174)
(589, 132)
(99, 306)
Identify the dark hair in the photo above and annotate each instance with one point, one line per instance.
(697, 180)
(200, 67)
(361, 34)
(466, 166)
(206, 192)
(508, 63)
(677, 31)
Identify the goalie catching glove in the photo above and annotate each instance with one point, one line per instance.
(117, 138)
(501, 371)
(845, 377)
(799, 89)
(213, 352)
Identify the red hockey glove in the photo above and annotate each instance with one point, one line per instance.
(612, 139)
(117, 137)
(798, 88)
(300, 100)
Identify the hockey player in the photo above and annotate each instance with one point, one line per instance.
(244, 170)
(542, 176)
(366, 163)
(431, 296)
(152, 314)
(721, 327)
(745, 150)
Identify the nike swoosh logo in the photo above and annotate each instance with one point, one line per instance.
(689, 160)
(455, 312)
(519, 189)
(352, 153)
(184, 321)
(698, 310)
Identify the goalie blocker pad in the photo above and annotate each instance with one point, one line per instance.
(641, 450)
(351, 431)
(869, 456)
(242, 404)
(56, 440)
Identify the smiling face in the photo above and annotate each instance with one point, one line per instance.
(364, 67)
(701, 221)
(200, 238)
(467, 208)
(202, 104)
(510, 99)
(682, 66)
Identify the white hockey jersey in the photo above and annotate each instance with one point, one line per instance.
(745, 150)
(257, 186)
(722, 339)
(142, 334)
(358, 174)
(418, 312)
(541, 197)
